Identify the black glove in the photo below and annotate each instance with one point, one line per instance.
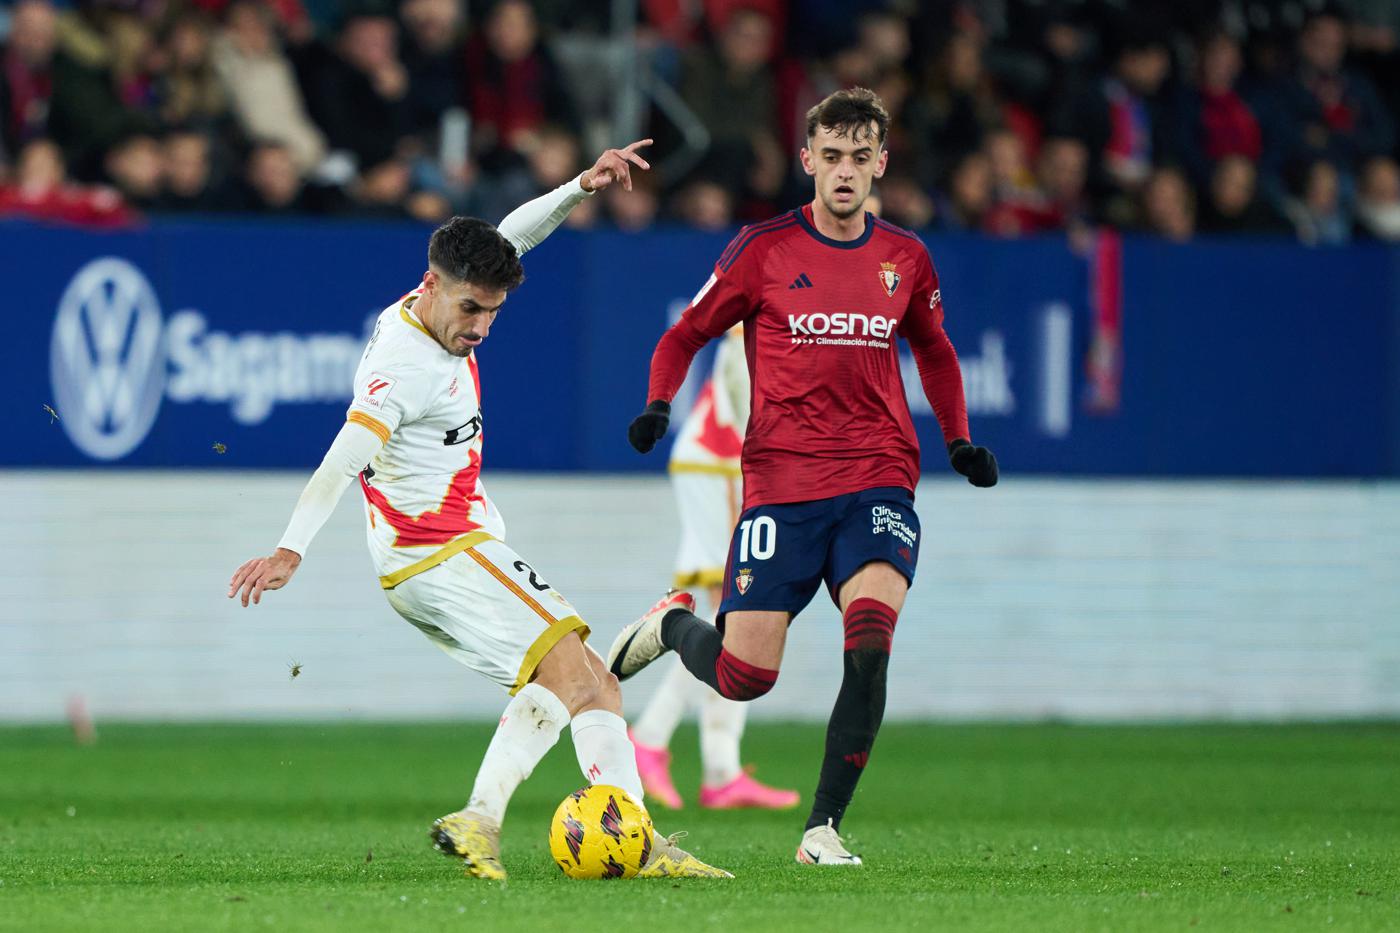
(976, 463)
(650, 426)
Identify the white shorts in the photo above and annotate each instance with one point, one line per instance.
(488, 609)
(709, 504)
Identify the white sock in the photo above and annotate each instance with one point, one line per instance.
(721, 728)
(605, 753)
(666, 707)
(529, 728)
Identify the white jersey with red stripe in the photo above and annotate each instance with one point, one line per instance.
(712, 435)
(423, 489)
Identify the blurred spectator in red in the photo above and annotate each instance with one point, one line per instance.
(1018, 206)
(1216, 122)
(1168, 205)
(705, 204)
(969, 194)
(955, 110)
(190, 92)
(135, 167)
(358, 91)
(1334, 110)
(1234, 204)
(190, 182)
(731, 89)
(1316, 205)
(1119, 118)
(1063, 173)
(905, 203)
(40, 190)
(513, 84)
(27, 73)
(435, 53)
(262, 87)
(1378, 200)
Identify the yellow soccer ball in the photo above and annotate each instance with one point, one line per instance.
(599, 831)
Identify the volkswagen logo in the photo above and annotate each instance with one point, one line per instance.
(107, 358)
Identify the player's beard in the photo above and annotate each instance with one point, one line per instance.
(843, 211)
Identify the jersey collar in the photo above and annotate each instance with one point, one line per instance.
(857, 243)
(411, 319)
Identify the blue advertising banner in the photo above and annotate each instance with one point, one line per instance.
(233, 345)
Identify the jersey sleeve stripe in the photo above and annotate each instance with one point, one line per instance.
(725, 267)
(380, 429)
(746, 231)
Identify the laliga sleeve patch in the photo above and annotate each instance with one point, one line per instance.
(375, 391)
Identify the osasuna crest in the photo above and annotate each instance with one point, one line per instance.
(889, 278)
(744, 580)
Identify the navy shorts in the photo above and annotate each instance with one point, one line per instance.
(780, 553)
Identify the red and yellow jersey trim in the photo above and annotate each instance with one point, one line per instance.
(442, 525)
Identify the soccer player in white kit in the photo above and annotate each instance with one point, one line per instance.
(706, 479)
(413, 438)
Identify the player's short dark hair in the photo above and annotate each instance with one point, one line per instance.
(472, 250)
(850, 112)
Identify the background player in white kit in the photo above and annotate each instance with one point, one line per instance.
(707, 481)
(438, 541)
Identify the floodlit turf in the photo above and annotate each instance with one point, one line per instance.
(1051, 827)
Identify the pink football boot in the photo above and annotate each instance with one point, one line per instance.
(745, 792)
(654, 766)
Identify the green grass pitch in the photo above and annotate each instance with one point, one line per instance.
(966, 827)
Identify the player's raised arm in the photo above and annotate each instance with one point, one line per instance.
(723, 301)
(529, 224)
(941, 376)
(352, 448)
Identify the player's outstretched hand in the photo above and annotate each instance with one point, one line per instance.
(650, 426)
(264, 573)
(615, 165)
(978, 464)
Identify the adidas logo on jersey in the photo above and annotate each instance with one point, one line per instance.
(801, 282)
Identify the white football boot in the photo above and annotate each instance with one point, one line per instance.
(639, 644)
(822, 846)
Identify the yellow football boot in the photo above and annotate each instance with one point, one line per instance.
(669, 860)
(474, 839)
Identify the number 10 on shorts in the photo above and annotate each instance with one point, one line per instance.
(762, 534)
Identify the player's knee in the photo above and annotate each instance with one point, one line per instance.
(608, 694)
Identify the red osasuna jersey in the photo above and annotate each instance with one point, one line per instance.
(821, 318)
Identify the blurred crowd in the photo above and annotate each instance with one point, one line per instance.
(1011, 117)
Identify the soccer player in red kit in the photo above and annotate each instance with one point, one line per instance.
(830, 458)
